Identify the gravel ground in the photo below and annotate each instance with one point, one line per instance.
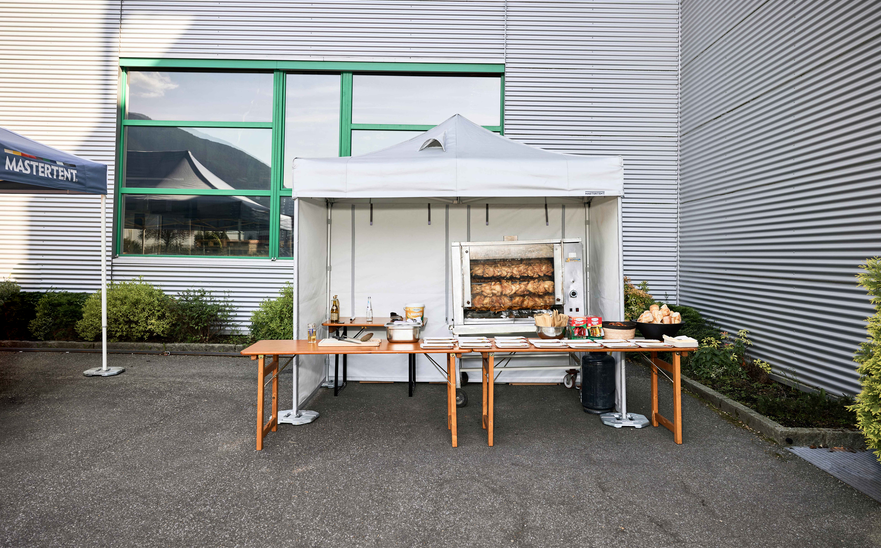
(163, 455)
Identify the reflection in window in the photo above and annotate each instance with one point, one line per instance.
(312, 118)
(198, 158)
(199, 96)
(364, 141)
(232, 226)
(386, 99)
(286, 235)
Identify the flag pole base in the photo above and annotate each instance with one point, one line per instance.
(101, 372)
(617, 420)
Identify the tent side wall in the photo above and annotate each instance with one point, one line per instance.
(311, 286)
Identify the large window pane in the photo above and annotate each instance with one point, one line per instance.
(198, 158)
(200, 96)
(312, 118)
(364, 141)
(386, 99)
(196, 225)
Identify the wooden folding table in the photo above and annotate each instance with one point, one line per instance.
(272, 350)
(675, 426)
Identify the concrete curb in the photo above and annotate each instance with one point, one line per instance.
(784, 435)
(123, 347)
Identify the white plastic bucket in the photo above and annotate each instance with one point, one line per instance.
(414, 311)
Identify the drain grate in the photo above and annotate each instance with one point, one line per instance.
(861, 470)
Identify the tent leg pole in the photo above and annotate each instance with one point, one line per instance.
(617, 420)
(296, 416)
(103, 371)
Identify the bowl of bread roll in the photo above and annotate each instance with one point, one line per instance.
(658, 321)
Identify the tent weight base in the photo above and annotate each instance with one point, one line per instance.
(297, 419)
(617, 420)
(100, 372)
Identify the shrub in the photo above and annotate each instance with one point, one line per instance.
(202, 317)
(18, 311)
(136, 311)
(57, 313)
(8, 290)
(721, 358)
(636, 299)
(274, 318)
(867, 404)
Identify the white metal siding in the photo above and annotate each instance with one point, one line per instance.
(58, 82)
(582, 77)
(602, 78)
(781, 199)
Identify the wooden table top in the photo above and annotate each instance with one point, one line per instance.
(533, 349)
(272, 348)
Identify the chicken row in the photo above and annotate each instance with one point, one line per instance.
(508, 289)
(501, 303)
(526, 268)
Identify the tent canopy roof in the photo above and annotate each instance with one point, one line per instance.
(458, 158)
(32, 167)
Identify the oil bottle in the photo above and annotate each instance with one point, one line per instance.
(335, 310)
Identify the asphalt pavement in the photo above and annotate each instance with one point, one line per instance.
(164, 455)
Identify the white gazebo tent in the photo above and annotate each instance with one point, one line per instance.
(455, 163)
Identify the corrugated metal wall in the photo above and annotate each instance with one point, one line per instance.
(602, 78)
(582, 77)
(58, 82)
(781, 199)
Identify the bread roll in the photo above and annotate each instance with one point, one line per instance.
(645, 317)
(653, 308)
(676, 317)
(665, 310)
(666, 319)
(657, 316)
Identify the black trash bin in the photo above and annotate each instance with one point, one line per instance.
(597, 382)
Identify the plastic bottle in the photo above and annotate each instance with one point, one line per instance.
(369, 310)
(335, 310)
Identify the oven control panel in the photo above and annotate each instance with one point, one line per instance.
(573, 279)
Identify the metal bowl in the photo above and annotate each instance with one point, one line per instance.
(550, 332)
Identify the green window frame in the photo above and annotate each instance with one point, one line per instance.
(279, 69)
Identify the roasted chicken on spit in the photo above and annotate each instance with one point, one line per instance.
(502, 303)
(508, 289)
(528, 268)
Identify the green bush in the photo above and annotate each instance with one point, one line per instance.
(18, 310)
(636, 299)
(274, 318)
(721, 358)
(202, 317)
(868, 401)
(57, 313)
(136, 311)
(8, 290)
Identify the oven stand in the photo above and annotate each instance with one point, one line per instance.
(619, 420)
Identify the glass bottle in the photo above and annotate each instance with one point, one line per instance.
(335, 310)
(369, 311)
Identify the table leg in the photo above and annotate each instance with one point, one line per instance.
(411, 373)
(491, 388)
(260, 365)
(451, 402)
(336, 374)
(274, 417)
(345, 370)
(677, 399)
(483, 367)
(654, 389)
